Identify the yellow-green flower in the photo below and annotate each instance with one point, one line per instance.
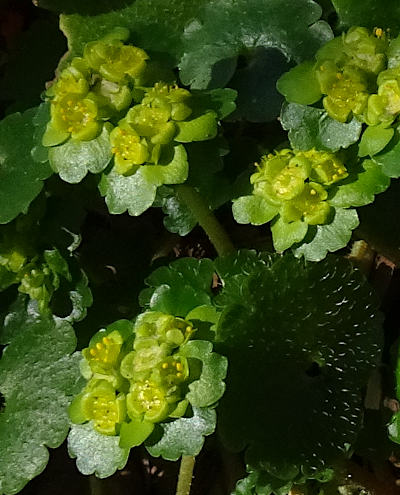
(115, 61)
(75, 117)
(129, 149)
(99, 403)
(171, 98)
(310, 206)
(72, 80)
(346, 91)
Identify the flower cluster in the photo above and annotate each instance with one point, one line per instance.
(36, 275)
(347, 69)
(137, 376)
(147, 126)
(106, 85)
(295, 183)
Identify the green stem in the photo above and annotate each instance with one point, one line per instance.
(206, 218)
(185, 475)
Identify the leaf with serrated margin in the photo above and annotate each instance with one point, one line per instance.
(184, 436)
(21, 177)
(155, 25)
(180, 287)
(38, 378)
(312, 128)
(136, 193)
(228, 28)
(233, 270)
(389, 158)
(329, 237)
(361, 190)
(74, 159)
(370, 13)
(209, 387)
(300, 344)
(179, 218)
(95, 453)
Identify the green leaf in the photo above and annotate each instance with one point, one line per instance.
(175, 171)
(81, 298)
(74, 159)
(21, 178)
(179, 218)
(89, 7)
(259, 482)
(285, 234)
(330, 237)
(198, 129)
(253, 209)
(374, 139)
(95, 453)
(389, 159)
(361, 190)
(38, 377)
(371, 13)
(312, 128)
(221, 101)
(151, 31)
(184, 436)
(258, 99)
(228, 28)
(179, 288)
(210, 386)
(300, 84)
(132, 193)
(234, 269)
(134, 433)
(306, 334)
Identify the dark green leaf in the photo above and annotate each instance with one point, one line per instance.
(151, 30)
(371, 13)
(88, 7)
(312, 128)
(221, 101)
(234, 269)
(330, 237)
(74, 159)
(21, 178)
(184, 436)
(300, 344)
(258, 100)
(38, 377)
(95, 453)
(229, 28)
(179, 219)
(361, 190)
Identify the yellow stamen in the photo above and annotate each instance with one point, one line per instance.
(92, 352)
(99, 346)
(313, 192)
(164, 366)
